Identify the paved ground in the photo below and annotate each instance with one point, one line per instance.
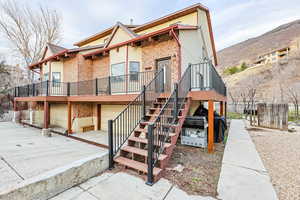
(109, 186)
(94, 136)
(243, 175)
(25, 153)
(280, 153)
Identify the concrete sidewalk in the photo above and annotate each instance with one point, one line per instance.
(243, 175)
(123, 186)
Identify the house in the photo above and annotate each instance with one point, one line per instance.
(130, 81)
(273, 56)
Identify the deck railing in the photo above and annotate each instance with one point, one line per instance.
(205, 77)
(124, 124)
(123, 84)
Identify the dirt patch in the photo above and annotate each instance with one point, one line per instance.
(201, 170)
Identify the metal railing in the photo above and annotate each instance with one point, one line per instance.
(166, 121)
(205, 77)
(124, 84)
(124, 124)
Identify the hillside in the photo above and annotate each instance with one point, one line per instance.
(250, 49)
(273, 79)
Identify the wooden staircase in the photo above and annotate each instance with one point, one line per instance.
(134, 152)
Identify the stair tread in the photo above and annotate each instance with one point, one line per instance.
(172, 125)
(136, 165)
(141, 152)
(156, 115)
(145, 131)
(145, 141)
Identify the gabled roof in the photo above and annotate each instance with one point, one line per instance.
(55, 48)
(124, 28)
(100, 35)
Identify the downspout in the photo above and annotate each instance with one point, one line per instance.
(178, 52)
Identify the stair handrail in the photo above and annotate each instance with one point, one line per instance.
(120, 128)
(160, 128)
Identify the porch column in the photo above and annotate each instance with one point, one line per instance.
(210, 126)
(46, 115)
(221, 108)
(69, 117)
(16, 113)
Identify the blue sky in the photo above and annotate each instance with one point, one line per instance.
(233, 20)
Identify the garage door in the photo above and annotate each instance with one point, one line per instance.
(109, 112)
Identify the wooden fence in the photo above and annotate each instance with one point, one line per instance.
(272, 116)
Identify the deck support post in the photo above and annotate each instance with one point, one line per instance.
(210, 126)
(46, 115)
(110, 145)
(221, 108)
(150, 155)
(69, 118)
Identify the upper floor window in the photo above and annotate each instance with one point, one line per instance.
(134, 68)
(117, 71)
(56, 78)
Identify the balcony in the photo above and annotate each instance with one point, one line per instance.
(204, 77)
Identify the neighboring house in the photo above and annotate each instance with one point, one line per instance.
(127, 71)
(273, 56)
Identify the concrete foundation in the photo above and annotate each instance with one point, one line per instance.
(46, 132)
(58, 180)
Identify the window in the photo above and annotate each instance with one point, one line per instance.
(134, 68)
(117, 71)
(56, 79)
(46, 76)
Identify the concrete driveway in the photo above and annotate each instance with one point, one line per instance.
(25, 153)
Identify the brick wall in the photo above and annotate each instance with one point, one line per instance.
(81, 110)
(85, 68)
(70, 73)
(100, 67)
(161, 49)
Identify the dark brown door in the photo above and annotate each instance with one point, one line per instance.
(165, 63)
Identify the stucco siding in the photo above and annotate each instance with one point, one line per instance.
(190, 19)
(203, 24)
(109, 112)
(120, 36)
(191, 48)
(58, 115)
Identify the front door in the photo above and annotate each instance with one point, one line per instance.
(165, 63)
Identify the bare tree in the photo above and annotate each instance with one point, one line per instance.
(28, 30)
(294, 97)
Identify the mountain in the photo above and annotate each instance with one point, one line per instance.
(272, 81)
(250, 49)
